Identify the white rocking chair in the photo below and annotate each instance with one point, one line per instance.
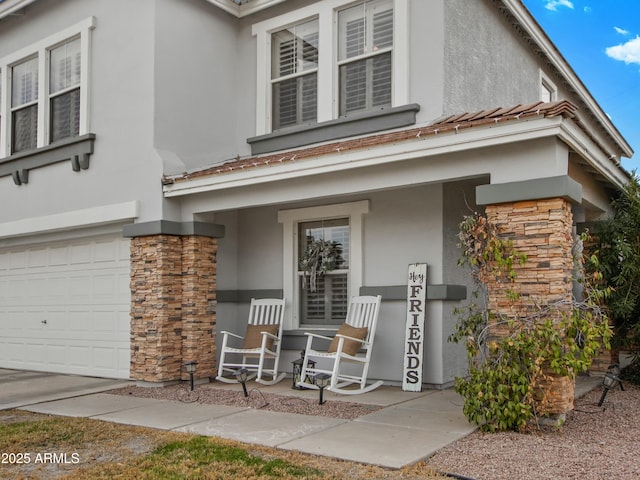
(353, 343)
(262, 343)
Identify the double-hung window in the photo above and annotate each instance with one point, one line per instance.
(24, 105)
(44, 91)
(294, 75)
(65, 65)
(330, 60)
(322, 302)
(365, 38)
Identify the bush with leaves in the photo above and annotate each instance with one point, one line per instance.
(617, 244)
(503, 388)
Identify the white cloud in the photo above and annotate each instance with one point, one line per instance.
(554, 4)
(626, 52)
(621, 31)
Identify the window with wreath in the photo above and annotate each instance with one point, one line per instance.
(323, 262)
(294, 75)
(365, 43)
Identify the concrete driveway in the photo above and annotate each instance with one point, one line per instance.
(19, 388)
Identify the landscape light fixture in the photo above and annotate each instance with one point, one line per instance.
(241, 376)
(297, 371)
(609, 381)
(190, 367)
(321, 380)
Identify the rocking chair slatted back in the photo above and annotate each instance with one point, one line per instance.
(266, 312)
(363, 312)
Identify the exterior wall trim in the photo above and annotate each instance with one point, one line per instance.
(561, 186)
(353, 125)
(166, 227)
(389, 293)
(119, 212)
(75, 149)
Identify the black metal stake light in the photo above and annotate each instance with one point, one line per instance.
(297, 371)
(609, 381)
(241, 376)
(191, 370)
(321, 380)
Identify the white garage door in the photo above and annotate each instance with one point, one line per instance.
(64, 307)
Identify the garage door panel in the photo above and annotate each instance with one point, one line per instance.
(81, 289)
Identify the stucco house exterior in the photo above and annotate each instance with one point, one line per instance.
(164, 161)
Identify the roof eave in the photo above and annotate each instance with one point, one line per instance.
(243, 10)
(10, 7)
(438, 144)
(537, 35)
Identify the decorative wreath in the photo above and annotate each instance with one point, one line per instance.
(320, 257)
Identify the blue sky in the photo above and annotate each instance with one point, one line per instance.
(601, 41)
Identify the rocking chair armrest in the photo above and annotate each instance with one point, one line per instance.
(309, 334)
(339, 335)
(268, 334)
(224, 332)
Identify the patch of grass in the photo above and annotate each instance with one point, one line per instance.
(109, 450)
(199, 453)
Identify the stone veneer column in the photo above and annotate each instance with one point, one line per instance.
(173, 294)
(198, 303)
(156, 308)
(541, 229)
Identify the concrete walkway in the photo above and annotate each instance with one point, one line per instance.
(410, 427)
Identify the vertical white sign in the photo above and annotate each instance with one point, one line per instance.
(414, 335)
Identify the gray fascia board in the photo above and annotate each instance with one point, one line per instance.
(353, 125)
(434, 292)
(166, 227)
(245, 296)
(561, 186)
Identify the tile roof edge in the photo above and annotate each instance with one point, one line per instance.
(444, 124)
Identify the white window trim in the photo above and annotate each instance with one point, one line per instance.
(546, 83)
(290, 219)
(326, 13)
(41, 48)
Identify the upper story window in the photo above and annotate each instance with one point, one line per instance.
(365, 38)
(331, 59)
(44, 91)
(294, 75)
(64, 90)
(24, 105)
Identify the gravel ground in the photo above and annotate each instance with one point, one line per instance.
(595, 443)
(264, 401)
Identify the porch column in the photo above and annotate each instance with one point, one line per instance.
(156, 308)
(173, 299)
(199, 304)
(541, 228)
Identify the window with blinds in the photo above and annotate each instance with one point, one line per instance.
(294, 75)
(327, 305)
(64, 90)
(24, 105)
(365, 46)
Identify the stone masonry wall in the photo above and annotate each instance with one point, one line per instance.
(172, 290)
(198, 303)
(541, 229)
